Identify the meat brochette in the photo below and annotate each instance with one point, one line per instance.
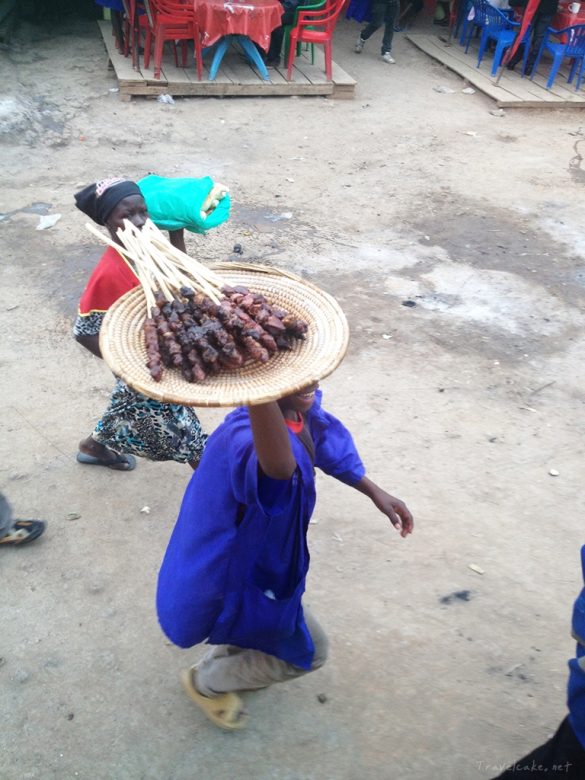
(202, 337)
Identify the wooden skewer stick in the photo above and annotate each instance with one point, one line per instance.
(193, 266)
(190, 272)
(189, 263)
(156, 262)
(121, 249)
(126, 235)
(167, 267)
(157, 237)
(150, 301)
(147, 263)
(189, 279)
(159, 265)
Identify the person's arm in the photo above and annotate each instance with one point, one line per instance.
(271, 441)
(92, 343)
(177, 239)
(395, 509)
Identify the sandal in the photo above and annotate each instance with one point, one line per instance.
(117, 463)
(22, 532)
(225, 710)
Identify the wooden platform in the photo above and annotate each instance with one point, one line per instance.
(236, 77)
(512, 91)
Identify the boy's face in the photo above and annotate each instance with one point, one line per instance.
(301, 401)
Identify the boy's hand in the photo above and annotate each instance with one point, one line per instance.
(396, 511)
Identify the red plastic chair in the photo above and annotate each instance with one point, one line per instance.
(315, 27)
(172, 20)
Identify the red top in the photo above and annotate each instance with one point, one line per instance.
(256, 19)
(111, 278)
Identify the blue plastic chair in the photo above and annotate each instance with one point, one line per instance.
(500, 28)
(461, 21)
(573, 47)
(479, 20)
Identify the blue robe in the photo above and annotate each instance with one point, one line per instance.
(235, 568)
(576, 687)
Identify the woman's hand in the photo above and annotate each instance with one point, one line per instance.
(394, 509)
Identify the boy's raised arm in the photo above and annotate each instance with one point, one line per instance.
(271, 441)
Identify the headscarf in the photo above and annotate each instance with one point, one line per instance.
(98, 200)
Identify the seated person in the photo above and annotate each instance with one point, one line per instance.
(541, 21)
(441, 16)
(272, 58)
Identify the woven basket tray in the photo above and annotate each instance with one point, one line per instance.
(123, 349)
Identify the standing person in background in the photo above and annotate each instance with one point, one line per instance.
(384, 12)
(541, 21)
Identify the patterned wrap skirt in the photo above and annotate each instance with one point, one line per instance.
(141, 426)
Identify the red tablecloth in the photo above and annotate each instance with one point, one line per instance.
(256, 19)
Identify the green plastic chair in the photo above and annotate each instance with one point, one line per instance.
(289, 27)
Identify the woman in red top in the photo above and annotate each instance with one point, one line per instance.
(132, 424)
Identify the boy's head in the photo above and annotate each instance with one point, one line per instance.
(300, 401)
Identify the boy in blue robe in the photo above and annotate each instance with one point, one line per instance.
(235, 568)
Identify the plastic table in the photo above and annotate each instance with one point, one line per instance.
(564, 18)
(237, 21)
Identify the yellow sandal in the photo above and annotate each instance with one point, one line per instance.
(225, 710)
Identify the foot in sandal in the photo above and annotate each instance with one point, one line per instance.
(226, 710)
(22, 532)
(93, 453)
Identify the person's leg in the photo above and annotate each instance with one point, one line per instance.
(518, 54)
(563, 755)
(100, 447)
(14, 533)
(276, 38)
(378, 12)
(177, 239)
(226, 669)
(6, 518)
(135, 424)
(118, 28)
(93, 453)
(540, 24)
(389, 19)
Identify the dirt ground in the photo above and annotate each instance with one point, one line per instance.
(461, 404)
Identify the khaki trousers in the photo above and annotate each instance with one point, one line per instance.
(227, 668)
